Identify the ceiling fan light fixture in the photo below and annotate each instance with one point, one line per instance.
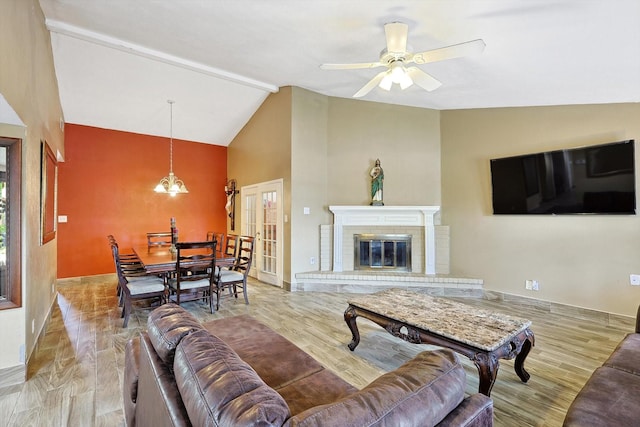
(397, 55)
(406, 81)
(397, 72)
(386, 82)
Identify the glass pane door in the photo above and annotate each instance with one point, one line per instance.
(263, 219)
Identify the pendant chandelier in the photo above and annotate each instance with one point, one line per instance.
(171, 184)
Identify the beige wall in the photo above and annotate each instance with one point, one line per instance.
(28, 83)
(579, 260)
(261, 152)
(405, 139)
(308, 177)
(324, 148)
(583, 261)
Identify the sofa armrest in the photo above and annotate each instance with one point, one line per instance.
(220, 389)
(159, 402)
(474, 411)
(130, 383)
(638, 320)
(422, 392)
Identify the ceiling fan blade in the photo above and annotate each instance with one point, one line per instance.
(396, 33)
(369, 86)
(422, 79)
(351, 66)
(454, 51)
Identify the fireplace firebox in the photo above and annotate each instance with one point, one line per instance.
(388, 252)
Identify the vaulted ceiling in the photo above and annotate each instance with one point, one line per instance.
(118, 62)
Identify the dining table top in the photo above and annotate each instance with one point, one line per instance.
(162, 260)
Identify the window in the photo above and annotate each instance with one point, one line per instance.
(10, 176)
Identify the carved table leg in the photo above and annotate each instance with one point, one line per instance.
(488, 366)
(524, 352)
(350, 317)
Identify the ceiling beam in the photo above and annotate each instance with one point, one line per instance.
(124, 46)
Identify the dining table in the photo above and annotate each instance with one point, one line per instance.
(161, 260)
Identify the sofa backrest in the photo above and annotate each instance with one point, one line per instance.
(220, 389)
(422, 392)
(166, 326)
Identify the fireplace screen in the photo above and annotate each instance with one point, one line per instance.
(382, 252)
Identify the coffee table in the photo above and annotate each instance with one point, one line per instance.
(483, 336)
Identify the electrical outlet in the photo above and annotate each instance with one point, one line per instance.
(535, 286)
(528, 285)
(312, 260)
(634, 279)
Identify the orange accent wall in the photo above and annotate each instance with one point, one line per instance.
(105, 186)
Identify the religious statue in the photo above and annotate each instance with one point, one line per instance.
(377, 179)
(230, 191)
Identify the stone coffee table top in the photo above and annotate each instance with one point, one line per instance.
(480, 328)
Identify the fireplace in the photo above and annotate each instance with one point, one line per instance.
(386, 252)
(418, 221)
(429, 269)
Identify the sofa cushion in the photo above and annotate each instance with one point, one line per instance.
(610, 397)
(625, 356)
(297, 377)
(219, 389)
(422, 392)
(166, 326)
(319, 388)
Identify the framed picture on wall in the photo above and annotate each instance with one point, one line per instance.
(49, 167)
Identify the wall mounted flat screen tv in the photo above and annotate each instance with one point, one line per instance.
(598, 179)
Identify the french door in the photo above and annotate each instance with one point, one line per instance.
(262, 217)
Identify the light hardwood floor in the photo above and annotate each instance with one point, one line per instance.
(75, 374)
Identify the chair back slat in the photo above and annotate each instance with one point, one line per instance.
(231, 247)
(195, 260)
(236, 278)
(244, 255)
(159, 239)
(219, 238)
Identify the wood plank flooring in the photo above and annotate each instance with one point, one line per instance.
(75, 376)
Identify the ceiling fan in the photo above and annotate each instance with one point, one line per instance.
(395, 57)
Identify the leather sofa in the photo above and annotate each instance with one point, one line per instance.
(236, 371)
(610, 396)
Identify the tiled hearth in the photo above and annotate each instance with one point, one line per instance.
(360, 282)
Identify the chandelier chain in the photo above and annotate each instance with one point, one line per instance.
(171, 184)
(170, 135)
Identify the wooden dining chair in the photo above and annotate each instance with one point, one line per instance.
(128, 263)
(159, 239)
(231, 245)
(195, 272)
(124, 256)
(133, 288)
(236, 277)
(219, 238)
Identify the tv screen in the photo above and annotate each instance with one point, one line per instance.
(599, 179)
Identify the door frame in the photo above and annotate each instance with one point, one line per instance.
(257, 188)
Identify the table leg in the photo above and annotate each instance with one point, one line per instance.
(524, 352)
(488, 365)
(350, 317)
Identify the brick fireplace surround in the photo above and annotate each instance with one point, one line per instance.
(429, 259)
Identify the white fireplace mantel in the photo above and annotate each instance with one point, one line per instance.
(409, 216)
